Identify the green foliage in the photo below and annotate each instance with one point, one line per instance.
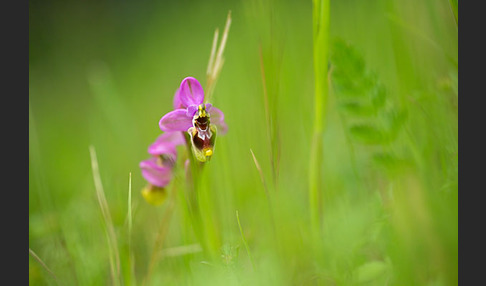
(371, 117)
(371, 271)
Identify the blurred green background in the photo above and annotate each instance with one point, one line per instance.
(103, 73)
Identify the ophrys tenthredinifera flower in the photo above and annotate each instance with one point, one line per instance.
(201, 121)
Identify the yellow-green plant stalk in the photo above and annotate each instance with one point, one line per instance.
(216, 59)
(320, 19)
(453, 5)
(108, 222)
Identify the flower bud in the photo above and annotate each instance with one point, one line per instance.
(154, 195)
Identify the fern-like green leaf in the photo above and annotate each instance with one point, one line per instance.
(368, 134)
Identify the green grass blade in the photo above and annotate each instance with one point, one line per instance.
(244, 241)
(36, 257)
(109, 228)
(321, 38)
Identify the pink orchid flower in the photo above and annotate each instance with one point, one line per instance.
(201, 121)
(188, 99)
(158, 169)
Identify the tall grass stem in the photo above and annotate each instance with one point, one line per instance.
(109, 228)
(320, 18)
(244, 241)
(216, 59)
(130, 254)
(31, 252)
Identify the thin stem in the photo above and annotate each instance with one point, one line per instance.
(244, 241)
(109, 228)
(270, 128)
(453, 6)
(129, 207)
(216, 59)
(213, 53)
(31, 252)
(130, 254)
(207, 213)
(194, 181)
(321, 36)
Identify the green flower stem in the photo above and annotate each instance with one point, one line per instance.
(192, 195)
(320, 16)
(207, 212)
(200, 204)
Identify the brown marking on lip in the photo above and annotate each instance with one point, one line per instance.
(202, 123)
(202, 139)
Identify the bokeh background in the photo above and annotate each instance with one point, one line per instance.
(102, 74)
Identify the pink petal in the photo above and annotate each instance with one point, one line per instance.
(166, 143)
(173, 138)
(191, 110)
(191, 92)
(217, 118)
(177, 100)
(156, 175)
(163, 149)
(176, 120)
